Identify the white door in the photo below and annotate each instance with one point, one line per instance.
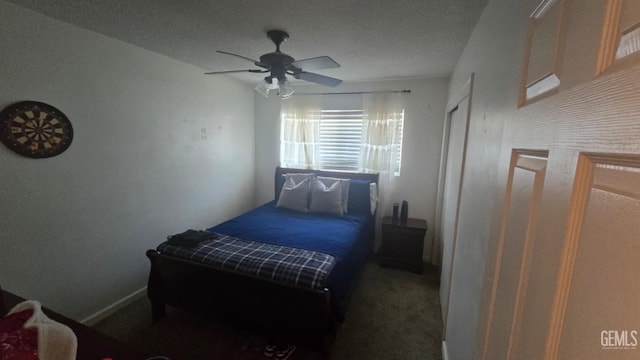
(566, 269)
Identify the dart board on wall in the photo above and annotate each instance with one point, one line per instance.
(35, 129)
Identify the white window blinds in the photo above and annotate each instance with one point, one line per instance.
(340, 139)
(398, 141)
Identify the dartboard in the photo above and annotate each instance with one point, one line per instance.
(35, 129)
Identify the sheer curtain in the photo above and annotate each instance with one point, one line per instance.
(382, 117)
(300, 130)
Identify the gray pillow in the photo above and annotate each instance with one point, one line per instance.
(294, 195)
(326, 199)
(344, 184)
(298, 177)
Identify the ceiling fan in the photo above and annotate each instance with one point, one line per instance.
(279, 65)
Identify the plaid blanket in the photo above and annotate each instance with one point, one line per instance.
(298, 267)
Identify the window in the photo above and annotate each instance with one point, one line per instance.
(339, 142)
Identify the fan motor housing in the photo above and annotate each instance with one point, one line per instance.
(278, 62)
(276, 58)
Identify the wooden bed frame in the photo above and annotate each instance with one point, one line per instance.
(301, 316)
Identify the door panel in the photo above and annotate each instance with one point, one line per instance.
(524, 187)
(598, 301)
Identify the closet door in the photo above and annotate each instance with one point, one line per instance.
(454, 149)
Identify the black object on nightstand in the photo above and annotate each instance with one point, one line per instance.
(402, 244)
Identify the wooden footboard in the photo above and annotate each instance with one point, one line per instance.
(297, 315)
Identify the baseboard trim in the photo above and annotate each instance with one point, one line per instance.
(445, 353)
(111, 309)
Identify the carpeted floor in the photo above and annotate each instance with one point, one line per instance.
(392, 314)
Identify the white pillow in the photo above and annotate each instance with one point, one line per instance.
(344, 184)
(373, 197)
(294, 195)
(326, 199)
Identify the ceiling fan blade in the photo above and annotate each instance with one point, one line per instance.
(318, 79)
(316, 63)
(235, 71)
(256, 62)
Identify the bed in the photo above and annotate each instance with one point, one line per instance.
(304, 314)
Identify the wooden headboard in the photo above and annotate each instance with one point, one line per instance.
(371, 177)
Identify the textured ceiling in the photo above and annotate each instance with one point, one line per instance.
(372, 40)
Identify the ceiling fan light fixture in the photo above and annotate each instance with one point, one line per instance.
(265, 85)
(285, 90)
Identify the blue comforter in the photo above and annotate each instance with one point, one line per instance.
(348, 238)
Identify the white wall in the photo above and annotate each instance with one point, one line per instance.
(424, 118)
(74, 228)
(494, 53)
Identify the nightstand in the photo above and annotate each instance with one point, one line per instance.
(402, 244)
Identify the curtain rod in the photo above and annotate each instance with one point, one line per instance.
(356, 92)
